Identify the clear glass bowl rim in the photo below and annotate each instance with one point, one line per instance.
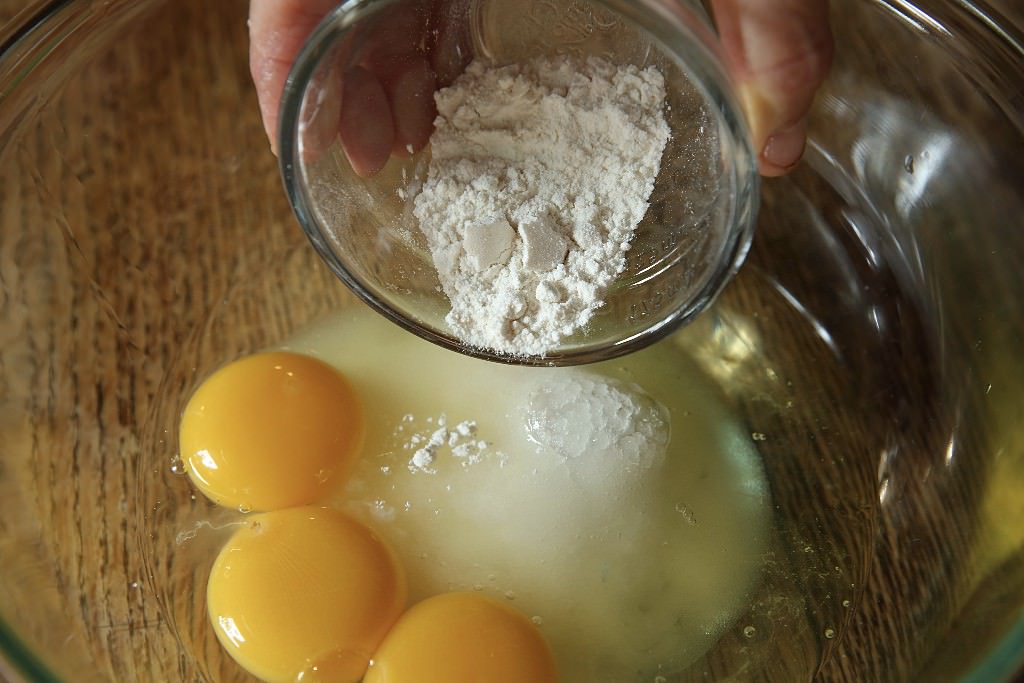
(742, 218)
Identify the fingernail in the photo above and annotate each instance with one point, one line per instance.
(784, 149)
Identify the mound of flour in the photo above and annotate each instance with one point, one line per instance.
(539, 175)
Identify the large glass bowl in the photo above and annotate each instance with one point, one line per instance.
(871, 344)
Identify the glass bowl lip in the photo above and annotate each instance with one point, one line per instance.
(18, 662)
(742, 216)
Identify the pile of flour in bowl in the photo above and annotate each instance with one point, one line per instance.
(539, 175)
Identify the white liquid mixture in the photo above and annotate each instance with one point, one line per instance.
(619, 505)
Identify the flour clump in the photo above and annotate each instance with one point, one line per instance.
(539, 174)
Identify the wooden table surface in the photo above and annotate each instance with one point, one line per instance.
(130, 261)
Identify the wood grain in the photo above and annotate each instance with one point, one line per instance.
(143, 201)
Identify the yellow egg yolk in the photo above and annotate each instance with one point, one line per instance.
(270, 431)
(305, 594)
(462, 638)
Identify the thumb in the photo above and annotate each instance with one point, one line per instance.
(277, 31)
(779, 52)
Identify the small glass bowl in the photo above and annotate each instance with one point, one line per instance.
(690, 243)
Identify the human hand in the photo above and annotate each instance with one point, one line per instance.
(778, 51)
(384, 105)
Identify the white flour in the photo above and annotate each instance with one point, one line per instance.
(459, 441)
(540, 172)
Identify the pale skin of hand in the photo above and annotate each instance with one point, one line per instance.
(777, 51)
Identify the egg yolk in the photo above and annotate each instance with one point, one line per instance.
(305, 594)
(462, 638)
(270, 431)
